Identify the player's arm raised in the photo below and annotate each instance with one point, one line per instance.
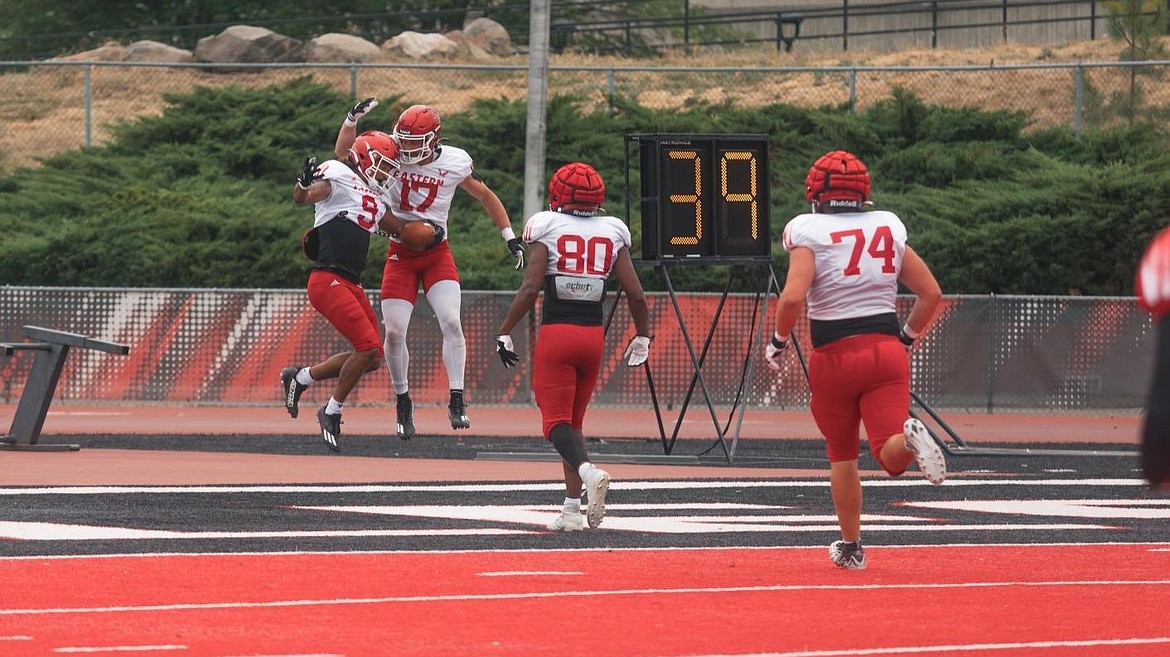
(348, 132)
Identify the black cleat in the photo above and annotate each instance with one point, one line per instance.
(292, 389)
(405, 417)
(330, 428)
(457, 412)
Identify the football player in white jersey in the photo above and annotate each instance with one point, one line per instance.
(423, 188)
(845, 263)
(349, 205)
(572, 252)
(1153, 292)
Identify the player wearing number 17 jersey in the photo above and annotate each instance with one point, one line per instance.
(845, 264)
(424, 187)
(572, 251)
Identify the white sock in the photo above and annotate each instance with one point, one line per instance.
(304, 378)
(333, 407)
(584, 469)
(572, 505)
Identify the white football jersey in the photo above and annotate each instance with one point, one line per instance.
(583, 247)
(350, 194)
(858, 256)
(425, 191)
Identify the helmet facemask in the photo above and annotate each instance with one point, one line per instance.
(375, 156)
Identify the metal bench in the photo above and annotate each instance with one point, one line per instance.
(52, 348)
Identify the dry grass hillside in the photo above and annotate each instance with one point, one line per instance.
(43, 110)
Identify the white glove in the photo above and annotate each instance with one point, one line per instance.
(361, 109)
(637, 351)
(776, 348)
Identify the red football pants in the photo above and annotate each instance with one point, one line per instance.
(855, 380)
(347, 308)
(564, 372)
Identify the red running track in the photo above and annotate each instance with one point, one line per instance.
(1052, 601)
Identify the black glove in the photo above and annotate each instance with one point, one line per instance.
(439, 233)
(506, 350)
(361, 109)
(309, 173)
(516, 248)
(906, 340)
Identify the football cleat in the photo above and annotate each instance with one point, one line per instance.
(292, 389)
(330, 428)
(457, 412)
(925, 450)
(849, 556)
(405, 424)
(597, 486)
(567, 522)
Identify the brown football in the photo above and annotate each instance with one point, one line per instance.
(417, 235)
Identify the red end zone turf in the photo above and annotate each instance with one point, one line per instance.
(1082, 600)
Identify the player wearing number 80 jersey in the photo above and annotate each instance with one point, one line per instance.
(845, 264)
(572, 251)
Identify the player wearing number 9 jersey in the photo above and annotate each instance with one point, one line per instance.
(572, 251)
(845, 264)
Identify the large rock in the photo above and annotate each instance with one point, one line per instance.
(337, 47)
(491, 36)
(426, 47)
(153, 51)
(248, 44)
(465, 48)
(110, 51)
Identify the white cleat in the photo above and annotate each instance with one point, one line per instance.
(925, 450)
(567, 522)
(597, 487)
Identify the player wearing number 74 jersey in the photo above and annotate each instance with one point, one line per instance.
(845, 263)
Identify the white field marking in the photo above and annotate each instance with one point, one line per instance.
(684, 524)
(1093, 508)
(48, 531)
(16, 638)
(676, 484)
(525, 573)
(571, 594)
(577, 550)
(963, 647)
(95, 649)
(316, 654)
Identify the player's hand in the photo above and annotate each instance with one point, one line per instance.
(776, 348)
(440, 233)
(907, 341)
(507, 350)
(309, 173)
(361, 109)
(637, 351)
(516, 248)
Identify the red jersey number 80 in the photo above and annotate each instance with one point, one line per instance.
(581, 256)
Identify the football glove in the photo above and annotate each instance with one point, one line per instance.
(361, 109)
(516, 248)
(309, 173)
(776, 348)
(440, 233)
(637, 351)
(507, 350)
(907, 341)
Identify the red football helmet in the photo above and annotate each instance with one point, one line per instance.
(576, 188)
(417, 133)
(837, 182)
(375, 156)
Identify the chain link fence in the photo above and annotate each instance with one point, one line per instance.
(50, 107)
